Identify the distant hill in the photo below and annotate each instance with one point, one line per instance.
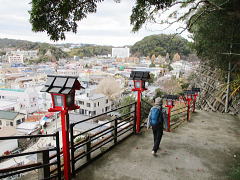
(161, 45)
(21, 44)
(91, 50)
(46, 52)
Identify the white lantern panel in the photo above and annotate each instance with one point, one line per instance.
(138, 84)
(58, 100)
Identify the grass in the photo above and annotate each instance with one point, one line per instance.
(234, 173)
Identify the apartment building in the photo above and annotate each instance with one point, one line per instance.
(27, 99)
(120, 52)
(26, 54)
(15, 59)
(92, 104)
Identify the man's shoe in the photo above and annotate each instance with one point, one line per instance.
(153, 153)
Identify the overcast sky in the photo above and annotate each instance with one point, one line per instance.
(109, 26)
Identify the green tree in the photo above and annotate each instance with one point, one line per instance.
(216, 34)
(124, 102)
(152, 65)
(152, 78)
(158, 93)
(2, 53)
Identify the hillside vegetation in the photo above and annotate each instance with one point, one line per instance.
(18, 44)
(46, 52)
(89, 51)
(161, 45)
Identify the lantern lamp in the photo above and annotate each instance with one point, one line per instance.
(170, 100)
(137, 84)
(196, 91)
(62, 90)
(139, 78)
(189, 94)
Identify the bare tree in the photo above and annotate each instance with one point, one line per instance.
(171, 86)
(109, 87)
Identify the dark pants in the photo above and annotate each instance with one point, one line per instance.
(157, 136)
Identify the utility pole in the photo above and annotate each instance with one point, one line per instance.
(228, 79)
(228, 86)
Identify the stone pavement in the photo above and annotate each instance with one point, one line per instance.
(203, 149)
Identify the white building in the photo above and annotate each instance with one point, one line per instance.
(44, 99)
(15, 59)
(67, 72)
(8, 105)
(26, 54)
(27, 99)
(92, 104)
(180, 67)
(120, 52)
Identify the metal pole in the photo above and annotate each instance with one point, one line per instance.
(188, 111)
(138, 112)
(72, 150)
(135, 118)
(58, 156)
(228, 87)
(65, 140)
(169, 118)
(115, 130)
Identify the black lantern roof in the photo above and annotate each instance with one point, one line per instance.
(173, 97)
(61, 84)
(140, 75)
(196, 89)
(189, 92)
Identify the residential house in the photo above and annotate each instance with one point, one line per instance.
(8, 118)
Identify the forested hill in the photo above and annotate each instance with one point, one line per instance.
(161, 45)
(46, 52)
(19, 44)
(90, 51)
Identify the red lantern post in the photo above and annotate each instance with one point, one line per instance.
(196, 91)
(139, 78)
(169, 105)
(62, 89)
(138, 86)
(189, 95)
